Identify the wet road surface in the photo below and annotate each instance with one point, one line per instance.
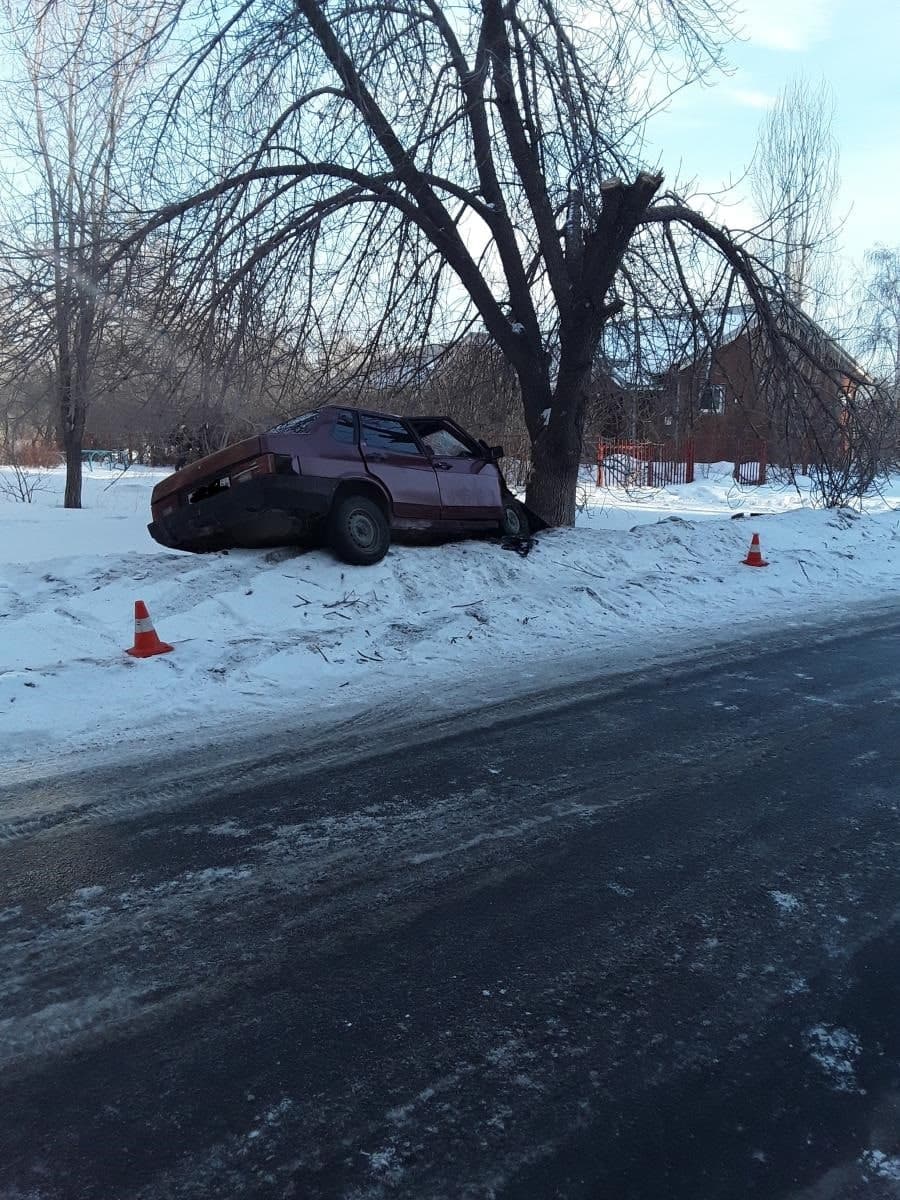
(639, 943)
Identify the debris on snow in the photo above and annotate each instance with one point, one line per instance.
(836, 1051)
(885, 1165)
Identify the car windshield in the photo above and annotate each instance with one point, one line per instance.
(296, 424)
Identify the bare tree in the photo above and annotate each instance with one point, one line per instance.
(795, 180)
(18, 483)
(404, 169)
(413, 163)
(80, 66)
(880, 314)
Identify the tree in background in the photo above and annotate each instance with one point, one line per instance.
(795, 179)
(880, 314)
(71, 115)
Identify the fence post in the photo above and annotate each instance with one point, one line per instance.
(650, 454)
(689, 461)
(763, 462)
(600, 462)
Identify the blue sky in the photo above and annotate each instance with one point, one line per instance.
(709, 133)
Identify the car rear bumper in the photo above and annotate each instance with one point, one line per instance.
(273, 510)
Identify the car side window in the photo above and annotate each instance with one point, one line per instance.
(342, 430)
(381, 433)
(444, 444)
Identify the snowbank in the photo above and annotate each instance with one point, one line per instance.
(714, 494)
(285, 632)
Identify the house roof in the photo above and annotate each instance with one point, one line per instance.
(810, 330)
(636, 353)
(802, 327)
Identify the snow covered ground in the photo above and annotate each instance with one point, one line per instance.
(293, 634)
(713, 494)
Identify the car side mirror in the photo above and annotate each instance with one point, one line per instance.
(495, 452)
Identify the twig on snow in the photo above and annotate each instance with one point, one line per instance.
(572, 567)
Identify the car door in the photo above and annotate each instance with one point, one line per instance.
(469, 484)
(392, 454)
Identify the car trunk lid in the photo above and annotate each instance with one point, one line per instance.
(206, 469)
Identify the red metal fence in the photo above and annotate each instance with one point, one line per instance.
(750, 464)
(655, 464)
(750, 455)
(644, 464)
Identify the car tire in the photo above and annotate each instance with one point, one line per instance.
(358, 531)
(514, 522)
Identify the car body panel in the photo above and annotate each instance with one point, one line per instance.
(394, 456)
(470, 485)
(468, 489)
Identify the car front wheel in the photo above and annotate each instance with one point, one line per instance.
(359, 531)
(515, 520)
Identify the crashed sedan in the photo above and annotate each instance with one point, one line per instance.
(353, 476)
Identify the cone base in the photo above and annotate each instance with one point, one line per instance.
(161, 648)
(747, 563)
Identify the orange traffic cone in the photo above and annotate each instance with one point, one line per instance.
(146, 643)
(754, 555)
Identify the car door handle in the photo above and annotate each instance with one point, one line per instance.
(441, 466)
(372, 456)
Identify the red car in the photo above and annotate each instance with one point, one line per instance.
(353, 474)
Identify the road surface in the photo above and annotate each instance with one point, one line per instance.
(638, 942)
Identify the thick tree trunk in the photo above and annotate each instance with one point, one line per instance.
(73, 446)
(556, 457)
(72, 412)
(552, 486)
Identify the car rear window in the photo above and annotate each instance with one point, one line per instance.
(382, 433)
(296, 424)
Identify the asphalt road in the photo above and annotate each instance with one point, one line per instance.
(640, 942)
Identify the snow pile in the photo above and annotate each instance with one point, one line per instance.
(288, 632)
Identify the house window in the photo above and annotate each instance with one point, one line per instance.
(712, 398)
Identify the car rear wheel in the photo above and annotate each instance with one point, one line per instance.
(515, 520)
(358, 531)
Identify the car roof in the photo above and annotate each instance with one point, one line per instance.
(367, 412)
(373, 412)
